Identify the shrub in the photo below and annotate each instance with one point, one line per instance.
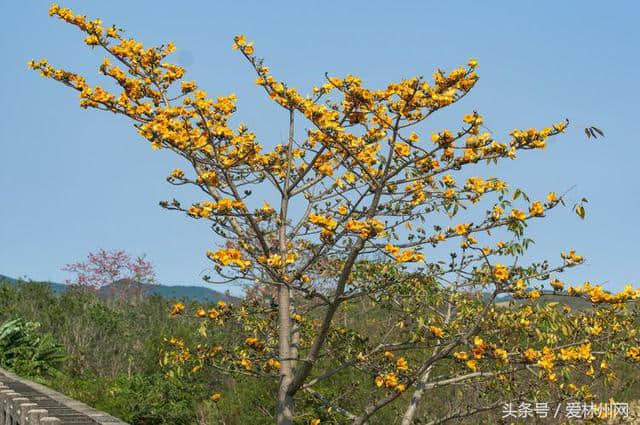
(27, 352)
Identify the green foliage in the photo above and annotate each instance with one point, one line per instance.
(26, 351)
(115, 352)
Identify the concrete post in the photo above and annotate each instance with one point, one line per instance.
(7, 397)
(34, 416)
(23, 410)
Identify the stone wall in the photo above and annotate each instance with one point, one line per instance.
(23, 402)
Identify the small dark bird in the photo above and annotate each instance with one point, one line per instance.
(593, 132)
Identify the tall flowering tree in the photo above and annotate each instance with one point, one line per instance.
(114, 268)
(367, 200)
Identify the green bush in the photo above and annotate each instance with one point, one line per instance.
(27, 352)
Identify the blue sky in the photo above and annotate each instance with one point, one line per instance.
(74, 180)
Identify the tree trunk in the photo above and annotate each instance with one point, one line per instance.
(285, 406)
(410, 413)
(284, 412)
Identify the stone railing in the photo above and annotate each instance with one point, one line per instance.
(23, 402)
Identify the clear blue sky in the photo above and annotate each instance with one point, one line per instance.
(72, 180)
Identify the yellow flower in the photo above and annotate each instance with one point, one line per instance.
(248, 49)
(239, 41)
(472, 63)
(461, 355)
(572, 257)
(342, 210)
(266, 209)
(438, 237)
(461, 228)
(314, 422)
(518, 215)
(478, 347)
(557, 284)
(501, 354)
(552, 197)
(536, 209)
(187, 86)
(496, 213)
(350, 177)
(390, 380)
(215, 397)
(436, 331)
(177, 308)
(500, 272)
(379, 381)
(389, 355)
(531, 355)
(177, 173)
(472, 364)
(595, 330)
(246, 363)
(634, 354)
(402, 365)
(273, 364)
(401, 149)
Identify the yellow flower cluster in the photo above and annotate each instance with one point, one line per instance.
(406, 256)
(389, 380)
(501, 355)
(205, 209)
(598, 295)
(323, 221)
(547, 359)
(571, 258)
(273, 364)
(531, 355)
(477, 185)
(634, 354)
(255, 343)
(581, 352)
(367, 229)
(535, 139)
(276, 260)
(230, 256)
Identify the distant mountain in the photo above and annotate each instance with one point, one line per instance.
(190, 293)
